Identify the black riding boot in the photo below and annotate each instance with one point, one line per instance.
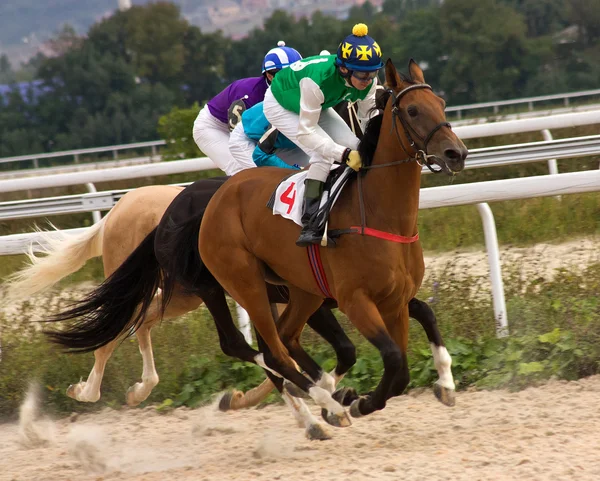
(313, 189)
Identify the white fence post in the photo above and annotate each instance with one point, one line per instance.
(491, 244)
(96, 215)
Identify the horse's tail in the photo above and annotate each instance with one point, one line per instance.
(116, 306)
(64, 254)
(176, 248)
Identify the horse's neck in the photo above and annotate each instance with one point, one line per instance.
(392, 193)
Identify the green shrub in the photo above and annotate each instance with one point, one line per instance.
(176, 129)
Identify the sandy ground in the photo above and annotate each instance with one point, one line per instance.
(544, 433)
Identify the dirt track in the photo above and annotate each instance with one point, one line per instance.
(544, 433)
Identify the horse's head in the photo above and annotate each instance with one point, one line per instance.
(419, 120)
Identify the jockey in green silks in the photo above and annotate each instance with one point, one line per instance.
(299, 105)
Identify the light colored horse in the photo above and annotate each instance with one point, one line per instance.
(135, 215)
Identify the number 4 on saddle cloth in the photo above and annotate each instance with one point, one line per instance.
(286, 201)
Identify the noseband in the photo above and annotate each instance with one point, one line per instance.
(421, 156)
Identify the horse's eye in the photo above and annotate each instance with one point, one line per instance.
(413, 111)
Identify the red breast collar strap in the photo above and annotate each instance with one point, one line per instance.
(384, 235)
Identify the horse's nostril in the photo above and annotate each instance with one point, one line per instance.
(464, 153)
(452, 154)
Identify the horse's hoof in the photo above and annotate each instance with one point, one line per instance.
(71, 391)
(231, 401)
(294, 390)
(354, 410)
(225, 402)
(445, 396)
(345, 396)
(337, 420)
(316, 432)
(130, 398)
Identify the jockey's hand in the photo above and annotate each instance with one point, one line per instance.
(354, 161)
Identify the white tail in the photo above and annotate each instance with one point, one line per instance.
(64, 254)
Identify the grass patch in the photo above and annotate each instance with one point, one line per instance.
(555, 331)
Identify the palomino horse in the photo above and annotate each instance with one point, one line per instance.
(115, 237)
(373, 279)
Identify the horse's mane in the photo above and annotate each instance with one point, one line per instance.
(368, 143)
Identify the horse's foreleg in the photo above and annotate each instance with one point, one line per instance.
(363, 313)
(313, 429)
(444, 387)
(89, 391)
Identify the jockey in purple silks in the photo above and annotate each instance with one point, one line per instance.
(216, 120)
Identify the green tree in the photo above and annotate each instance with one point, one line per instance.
(205, 64)
(422, 40)
(543, 17)
(400, 8)
(586, 15)
(155, 35)
(486, 47)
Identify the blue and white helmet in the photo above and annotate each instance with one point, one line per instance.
(280, 57)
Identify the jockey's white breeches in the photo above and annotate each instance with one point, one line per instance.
(241, 148)
(330, 125)
(212, 138)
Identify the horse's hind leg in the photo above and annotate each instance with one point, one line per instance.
(324, 323)
(444, 387)
(178, 305)
(141, 390)
(89, 391)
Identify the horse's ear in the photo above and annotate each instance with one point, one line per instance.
(415, 72)
(392, 79)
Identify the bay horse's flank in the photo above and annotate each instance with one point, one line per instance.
(373, 280)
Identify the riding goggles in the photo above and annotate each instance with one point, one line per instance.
(364, 76)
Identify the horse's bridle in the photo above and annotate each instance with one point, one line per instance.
(421, 156)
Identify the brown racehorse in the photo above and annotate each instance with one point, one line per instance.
(372, 279)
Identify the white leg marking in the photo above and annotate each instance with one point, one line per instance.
(260, 360)
(244, 324)
(89, 391)
(141, 390)
(296, 406)
(443, 363)
(337, 378)
(327, 382)
(322, 398)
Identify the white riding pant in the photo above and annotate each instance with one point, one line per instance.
(330, 125)
(212, 138)
(242, 147)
